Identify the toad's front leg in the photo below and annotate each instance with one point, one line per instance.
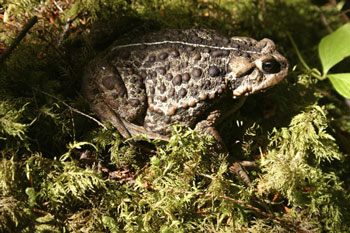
(207, 127)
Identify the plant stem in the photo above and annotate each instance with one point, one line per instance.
(314, 72)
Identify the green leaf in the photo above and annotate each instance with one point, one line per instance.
(334, 47)
(45, 219)
(31, 196)
(341, 82)
(110, 223)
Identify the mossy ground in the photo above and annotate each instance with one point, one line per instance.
(62, 172)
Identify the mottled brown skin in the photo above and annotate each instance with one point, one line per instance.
(188, 77)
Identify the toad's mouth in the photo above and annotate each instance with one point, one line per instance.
(247, 83)
(253, 82)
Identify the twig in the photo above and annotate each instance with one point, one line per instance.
(345, 11)
(248, 164)
(324, 20)
(342, 13)
(40, 211)
(66, 29)
(58, 7)
(270, 216)
(18, 39)
(344, 16)
(73, 109)
(141, 170)
(73, 124)
(313, 72)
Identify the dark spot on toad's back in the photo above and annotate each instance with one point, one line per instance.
(124, 54)
(177, 80)
(171, 92)
(175, 53)
(134, 102)
(169, 77)
(161, 70)
(154, 74)
(206, 50)
(186, 77)
(196, 72)
(217, 53)
(109, 82)
(162, 88)
(163, 56)
(197, 56)
(152, 58)
(143, 74)
(141, 56)
(182, 92)
(214, 71)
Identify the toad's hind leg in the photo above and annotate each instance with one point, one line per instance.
(109, 97)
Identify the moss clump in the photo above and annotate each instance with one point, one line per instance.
(60, 171)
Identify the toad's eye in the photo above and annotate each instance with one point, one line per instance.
(271, 66)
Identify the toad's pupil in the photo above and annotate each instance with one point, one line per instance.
(271, 66)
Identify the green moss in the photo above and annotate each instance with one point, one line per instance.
(60, 171)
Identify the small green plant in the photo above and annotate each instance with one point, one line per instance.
(332, 49)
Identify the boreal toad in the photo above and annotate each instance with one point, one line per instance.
(188, 77)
